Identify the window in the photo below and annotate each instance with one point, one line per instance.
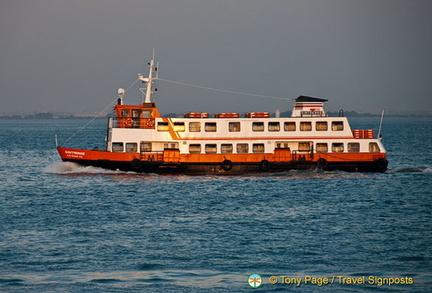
(282, 145)
(162, 126)
(337, 126)
(147, 114)
(131, 147)
(273, 126)
(234, 126)
(194, 126)
(337, 147)
(136, 113)
(170, 145)
(226, 148)
(304, 146)
(210, 149)
(289, 126)
(305, 126)
(257, 126)
(195, 149)
(258, 148)
(125, 113)
(321, 126)
(117, 147)
(146, 146)
(321, 148)
(353, 147)
(210, 127)
(242, 148)
(179, 126)
(373, 147)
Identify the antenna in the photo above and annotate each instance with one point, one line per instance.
(149, 80)
(381, 122)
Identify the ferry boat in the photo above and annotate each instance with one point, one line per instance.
(140, 139)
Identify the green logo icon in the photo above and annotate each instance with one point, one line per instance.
(255, 280)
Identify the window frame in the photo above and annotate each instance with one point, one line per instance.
(305, 123)
(242, 148)
(273, 126)
(336, 145)
(258, 126)
(234, 126)
(210, 126)
(194, 126)
(115, 147)
(319, 126)
(287, 125)
(195, 145)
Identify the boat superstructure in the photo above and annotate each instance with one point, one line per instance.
(140, 139)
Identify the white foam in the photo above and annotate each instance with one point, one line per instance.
(74, 168)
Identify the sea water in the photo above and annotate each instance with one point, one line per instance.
(67, 228)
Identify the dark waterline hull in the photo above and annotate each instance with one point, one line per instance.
(232, 169)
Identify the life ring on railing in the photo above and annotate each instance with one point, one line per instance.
(136, 164)
(227, 165)
(150, 122)
(264, 165)
(322, 164)
(129, 122)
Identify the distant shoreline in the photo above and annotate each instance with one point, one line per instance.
(48, 115)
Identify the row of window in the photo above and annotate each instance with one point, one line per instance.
(256, 126)
(243, 148)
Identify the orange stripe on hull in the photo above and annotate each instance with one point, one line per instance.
(171, 156)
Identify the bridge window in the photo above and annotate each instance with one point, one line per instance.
(257, 126)
(321, 148)
(226, 148)
(337, 147)
(147, 114)
(305, 126)
(258, 148)
(136, 113)
(234, 126)
(373, 147)
(131, 147)
(125, 113)
(273, 126)
(117, 147)
(210, 149)
(290, 126)
(195, 149)
(195, 126)
(321, 126)
(353, 147)
(337, 126)
(242, 148)
(210, 127)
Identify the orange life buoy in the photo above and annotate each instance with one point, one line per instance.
(150, 122)
(129, 122)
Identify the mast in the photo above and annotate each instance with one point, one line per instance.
(149, 80)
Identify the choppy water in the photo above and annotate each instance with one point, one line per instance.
(65, 228)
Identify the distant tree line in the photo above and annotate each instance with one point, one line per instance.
(44, 116)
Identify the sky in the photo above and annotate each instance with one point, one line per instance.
(72, 56)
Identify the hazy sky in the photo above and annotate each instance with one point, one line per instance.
(361, 55)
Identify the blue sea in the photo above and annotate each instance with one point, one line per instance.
(66, 228)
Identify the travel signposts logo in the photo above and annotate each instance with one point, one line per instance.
(255, 280)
